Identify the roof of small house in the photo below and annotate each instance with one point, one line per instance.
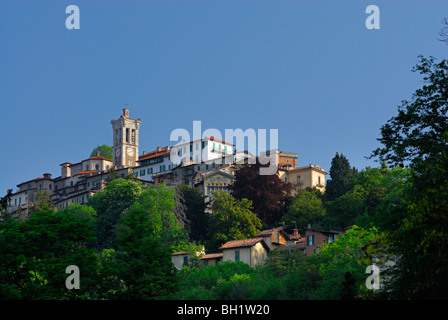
(211, 256)
(244, 243)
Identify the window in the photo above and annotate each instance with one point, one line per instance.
(237, 255)
(213, 147)
(219, 147)
(197, 146)
(330, 238)
(203, 144)
(127, 135)
(185, 261)
(310, 240)
(225, 149)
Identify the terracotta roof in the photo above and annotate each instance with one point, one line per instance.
(269, 231)
(211, 256)
(40, 178)
(154, 154)
(306, 167)
(86, 172)
(178, 253)
(243, 243)
(97, 158)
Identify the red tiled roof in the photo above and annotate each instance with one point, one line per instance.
(97, 158)
(40, 178)
(211, 256)
(241, 243)
(154, 154)
(86, 172)
(269, 232)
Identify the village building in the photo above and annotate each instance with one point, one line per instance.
(250, 251)
(211, 259)
(315, 238)
(275, 237)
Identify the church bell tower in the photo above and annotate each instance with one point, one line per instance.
(125, 132)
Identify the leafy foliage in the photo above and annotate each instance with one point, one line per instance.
(341, 177)
(418, 137)
(231, 219)
(268, 193)
(36, 252)
(104, 151)
(306, 208)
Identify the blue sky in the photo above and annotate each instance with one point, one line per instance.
(310, 69)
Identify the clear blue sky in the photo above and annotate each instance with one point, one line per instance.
(308, 68)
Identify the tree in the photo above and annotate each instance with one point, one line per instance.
(341, 177)
(143, 262)
(195, 212)
(268, 193)
(42, 201)
(231, 219)
(418, 137)
(36, 252)
(305, 208)
(4, 202)
(104, 151)
(159, 204)
(109, 204)
(444, 32)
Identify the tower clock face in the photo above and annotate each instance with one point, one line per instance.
(130, 152)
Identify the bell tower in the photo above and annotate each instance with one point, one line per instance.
(125, 133)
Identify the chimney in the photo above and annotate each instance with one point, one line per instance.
(47, 175)
(144, 152)
(158, 148)
(309, 226)
(296, 232)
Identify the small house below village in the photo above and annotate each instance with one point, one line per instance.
(250, 251)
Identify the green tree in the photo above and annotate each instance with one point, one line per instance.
(305, 208)
(104, 151)
(195, 212)
(109, 204)
(4, 202)
(341, 177)
(42, 201)
(143, 262)
(36, 252)
(418, 137)
(159, 204)
(231, 219)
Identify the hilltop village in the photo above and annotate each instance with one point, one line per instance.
(213, 171)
